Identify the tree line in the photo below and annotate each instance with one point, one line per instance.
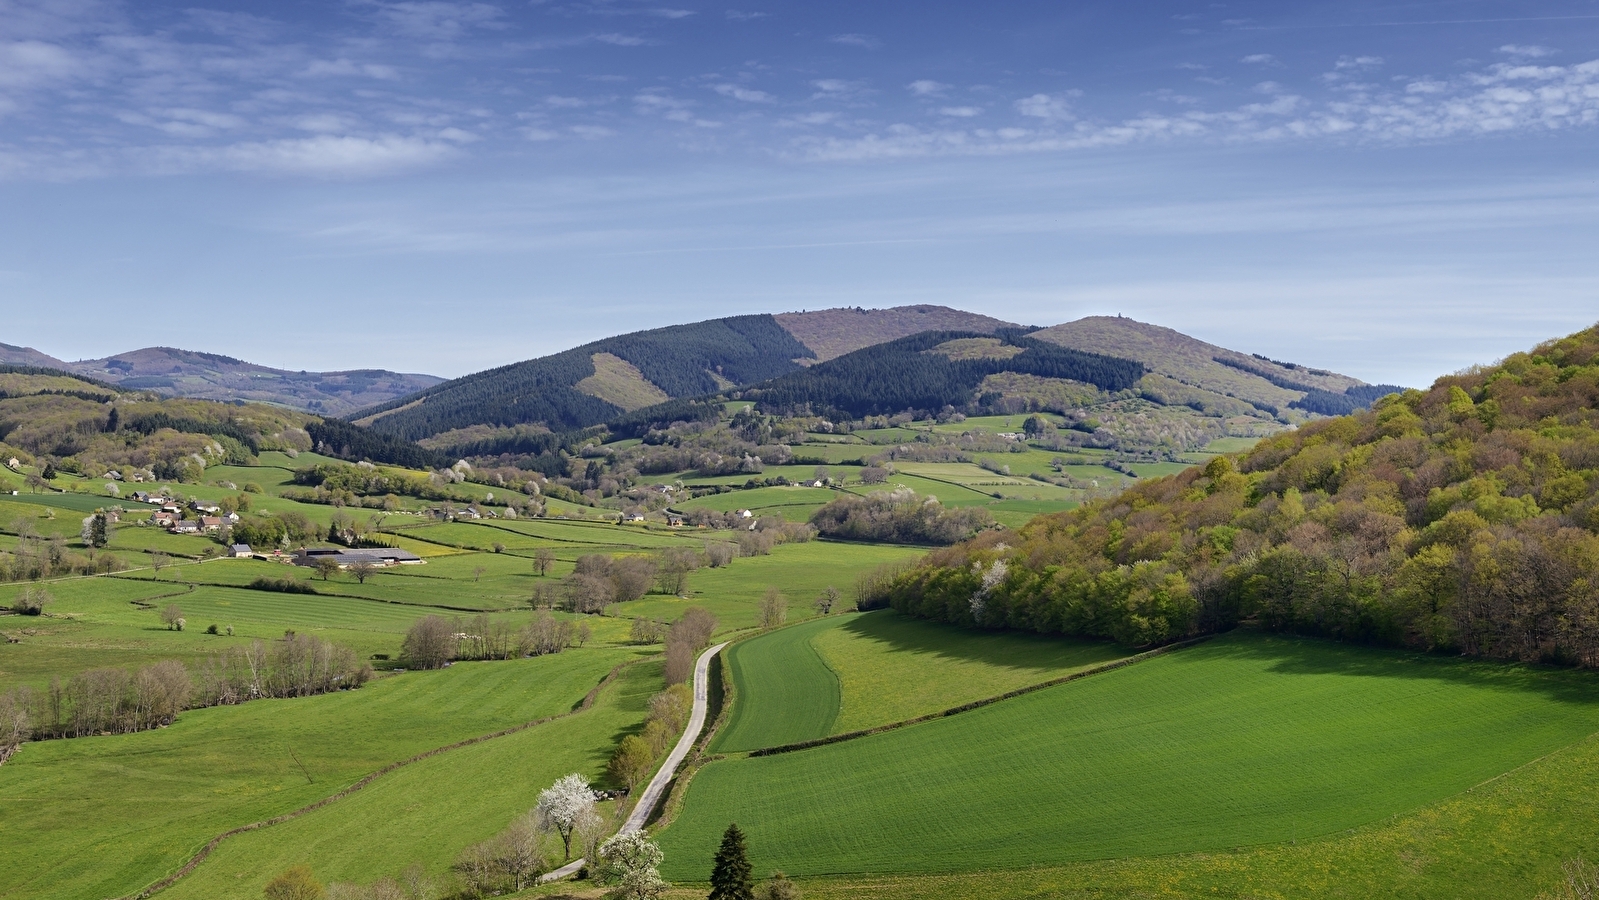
(1462, 518)
(899, 516)
(119, 701)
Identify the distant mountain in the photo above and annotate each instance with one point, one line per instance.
(601, 381)
(209, 376)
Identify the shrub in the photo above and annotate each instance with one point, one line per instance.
(281, 585)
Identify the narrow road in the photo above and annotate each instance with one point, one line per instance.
(656, 789)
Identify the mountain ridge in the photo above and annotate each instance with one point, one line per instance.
(174, 372)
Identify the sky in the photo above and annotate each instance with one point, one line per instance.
(1390, 190)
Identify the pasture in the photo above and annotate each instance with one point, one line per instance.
(1241, 741)
(861, 670)
(427, 812)
(213, 769)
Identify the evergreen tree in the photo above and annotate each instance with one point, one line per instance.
(731, 879)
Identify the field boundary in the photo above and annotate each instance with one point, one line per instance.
(986, 701)
(211, 845)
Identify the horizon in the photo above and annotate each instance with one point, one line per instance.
(1395, 192)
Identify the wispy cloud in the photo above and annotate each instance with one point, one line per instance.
(960, 112)
(737, 92)
(1260, 59)
(857, 40)
(1527, 51)
(926, 87)
(323, 156)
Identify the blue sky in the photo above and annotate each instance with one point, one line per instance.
(1393, 190)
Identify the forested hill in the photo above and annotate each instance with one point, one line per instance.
(599, 382)
(931, 371)
(831, 333)
(1193, 372)
(210, 376)
(1463, 518)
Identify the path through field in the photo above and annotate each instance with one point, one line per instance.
(657, 786)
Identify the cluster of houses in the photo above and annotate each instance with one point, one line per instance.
(200, 517)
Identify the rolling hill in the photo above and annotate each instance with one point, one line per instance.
(209, 376)
(608, 378)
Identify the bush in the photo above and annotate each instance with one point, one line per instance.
(281, 585)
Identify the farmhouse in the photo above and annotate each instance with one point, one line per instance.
(380, 556)
(210, 523)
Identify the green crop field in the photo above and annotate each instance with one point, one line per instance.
(1244, 740)
(796, 504)
(855, 671)
(426, 813)
(892, 667)
(785, 691)
(214, 769)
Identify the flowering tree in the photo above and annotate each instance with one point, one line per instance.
(630, 862)
(564, 807)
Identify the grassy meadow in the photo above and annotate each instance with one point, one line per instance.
(1242, 741)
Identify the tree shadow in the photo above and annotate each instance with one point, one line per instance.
(1295, 655)
(1019, 650)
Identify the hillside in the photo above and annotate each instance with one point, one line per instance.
(209, 376)
(599, 381)
(1190, 371)
(831, 333)
(1463, 518)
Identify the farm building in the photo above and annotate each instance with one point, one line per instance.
(240, 551)
(381, 556)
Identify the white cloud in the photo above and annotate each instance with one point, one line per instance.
(925, 87)
(438, 20)
(960, 112)
(591, 132)
(565, 102)
(1532, 51)
(343, 67)
(857, 40)
(1347, 63)
(738, 15)
(33, 63)
(620, 40)
(1260, 59)
(748, 95)
(323, 155)
(1045, 106)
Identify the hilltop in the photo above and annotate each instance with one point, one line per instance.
(831, 333)
(210, 376)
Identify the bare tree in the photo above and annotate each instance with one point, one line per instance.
(520, 852)
(363, 569)
(172, 617)
(158, 561)
(773, 609)
(543, 558)
(477, 572)
(827, 600)
(582, 633)
(428, 644)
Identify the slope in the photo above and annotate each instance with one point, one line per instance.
(678, 361)
(831, 333)
(1241, 741)
(1202, 367)
(210, 376)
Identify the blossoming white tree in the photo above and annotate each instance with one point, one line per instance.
(631, 862)
(565, 807)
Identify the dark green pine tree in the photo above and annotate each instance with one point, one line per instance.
(731, 880)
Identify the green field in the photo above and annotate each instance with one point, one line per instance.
(796, 504)
(785, 690)
(1244, 740)
(214, 769)
(428, 812)
(855, 671)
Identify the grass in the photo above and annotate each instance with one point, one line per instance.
(95, 817)
(796, 504)
(1242, 741)
(892, 667)
(800, 571)
(785, 690)
(857, 671)
(1507, 838)
(428, 812)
